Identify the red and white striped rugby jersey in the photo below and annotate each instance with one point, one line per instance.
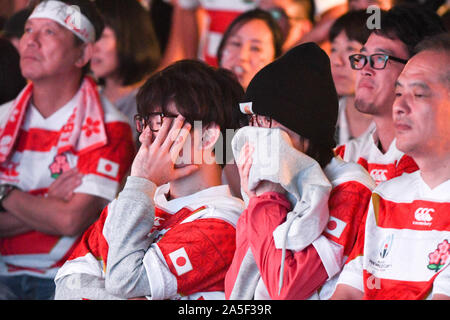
(405, 248)
(193, 245)
(34, 165)
(381, 166)
(220, 14)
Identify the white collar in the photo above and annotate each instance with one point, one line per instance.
(200, 198)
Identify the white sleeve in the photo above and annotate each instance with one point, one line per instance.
(163, 284)
(352, 274)
(331, 254)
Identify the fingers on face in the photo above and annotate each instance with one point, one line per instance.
(145, 138)
(176, 133)
(245, 160)
(180, 141)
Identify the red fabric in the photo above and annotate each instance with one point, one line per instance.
(93, 241)
(396, 289)
(220, 19)
(389, 171)
(410, 215)
(209, 245)
(340, 151)
(348, 202)
(119, 149)
(304, 272)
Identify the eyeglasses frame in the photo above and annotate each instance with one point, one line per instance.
(370, 60)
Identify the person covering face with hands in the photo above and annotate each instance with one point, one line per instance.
(170, 234)
(284, 100)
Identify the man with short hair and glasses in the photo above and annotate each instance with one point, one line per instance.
(170, 233)
(380, 62)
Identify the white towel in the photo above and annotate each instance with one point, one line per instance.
(308, 189)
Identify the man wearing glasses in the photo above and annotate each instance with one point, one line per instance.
(380, 62)
(170, 233)
(405, 251)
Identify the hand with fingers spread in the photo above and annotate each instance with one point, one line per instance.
(65, 184)
(156, 160)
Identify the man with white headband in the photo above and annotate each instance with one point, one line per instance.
(64, 149)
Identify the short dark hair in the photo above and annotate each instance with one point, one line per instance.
(439, 42)
(255, 14)
(353, 23)
(11, 79)
(14, 26)
(321, 153)
(200, 93)
(410, 24)
(137, 45)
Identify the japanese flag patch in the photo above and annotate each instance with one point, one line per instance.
(181, 261)
(108, 167)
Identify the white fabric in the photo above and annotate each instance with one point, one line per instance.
(223, 5)
(323, 6)
(274, 159)
(68, 16)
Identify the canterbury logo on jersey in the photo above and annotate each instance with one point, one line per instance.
(379, 174)
(422, 216)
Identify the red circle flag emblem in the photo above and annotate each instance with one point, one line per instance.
(181, 261)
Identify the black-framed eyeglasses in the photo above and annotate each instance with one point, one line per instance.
(154, 120)
(377, 61)
(260, 121)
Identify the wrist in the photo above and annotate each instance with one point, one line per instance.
(5, 192)
(268, 186)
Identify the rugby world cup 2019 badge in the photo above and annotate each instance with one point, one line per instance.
(386, 246)
(59, 166)
(439, 257)
(381, 262)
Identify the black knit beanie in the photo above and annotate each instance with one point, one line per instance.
(298, 91)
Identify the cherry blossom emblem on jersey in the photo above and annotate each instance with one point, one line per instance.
(439, 257)
(59, 166)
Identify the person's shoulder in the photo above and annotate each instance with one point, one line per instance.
(406, 184)
(355, 148)
(339, 172)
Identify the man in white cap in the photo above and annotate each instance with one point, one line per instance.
(59, 133)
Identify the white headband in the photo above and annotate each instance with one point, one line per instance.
(69, 16)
